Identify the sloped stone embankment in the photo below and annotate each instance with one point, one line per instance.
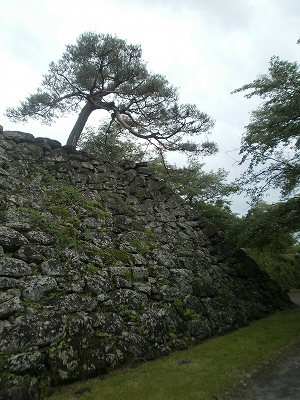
(101, 265)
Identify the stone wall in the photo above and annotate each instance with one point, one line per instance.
(104, 265)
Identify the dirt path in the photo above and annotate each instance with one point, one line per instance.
(295, 297)
(279, 379)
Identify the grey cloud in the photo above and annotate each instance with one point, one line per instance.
(229, 14)
(23, 44)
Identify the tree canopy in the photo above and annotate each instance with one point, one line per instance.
(113, 146)
(272, 139)
(103, 72)
(268, 227)
(194, 184)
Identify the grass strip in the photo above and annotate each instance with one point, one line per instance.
(215, 366)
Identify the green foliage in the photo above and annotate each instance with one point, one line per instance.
(193, 183)
(36, 170)
(110, 256)
(113, 145)
(221, 215)
(9, 378)
(92, 269)
(67, 195)
(284, 268)
(128, 209)
(142, 246)
(39, 220)
(102, 72)
(271, 142)
(93, 204)
(74, 221)
(185, 313)
(57, 293)
(32, 304)
(288, 212)
(128, 275)
(102, 337)
(3, 206)
(144, 242)
(150, 235)
(3, 358)
(266, 227)
(65, 236)
(96, 207)
(268, 233)
(45, 389)
(60, 211)
(270, 147)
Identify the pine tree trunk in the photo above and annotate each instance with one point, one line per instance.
(80, 123)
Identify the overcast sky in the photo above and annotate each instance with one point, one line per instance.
(207, 48)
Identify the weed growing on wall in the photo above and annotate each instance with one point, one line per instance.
(111, 256)
(65, 236)
(36, 171)
(68, 195)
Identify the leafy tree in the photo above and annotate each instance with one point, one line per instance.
(288, 214)
(272, 139)
(113, 146)
(267, 228)
(267, 233)
(271, 147)
(222, 216)
(102, 72)
(193, 183)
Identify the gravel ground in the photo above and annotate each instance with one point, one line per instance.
(279, 379)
